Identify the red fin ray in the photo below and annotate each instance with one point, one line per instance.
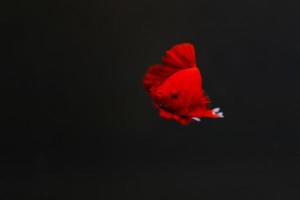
(180, 56)
(156, 75)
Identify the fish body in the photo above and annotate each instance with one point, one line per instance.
(175, 87)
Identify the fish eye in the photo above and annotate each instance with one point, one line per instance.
(174, 95)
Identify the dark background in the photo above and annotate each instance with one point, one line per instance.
(77, 123)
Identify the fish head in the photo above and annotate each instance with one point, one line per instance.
(170, 99)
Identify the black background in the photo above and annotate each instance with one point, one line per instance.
(77, 123)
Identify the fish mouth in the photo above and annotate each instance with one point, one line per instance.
(168, 109)
(165, 108)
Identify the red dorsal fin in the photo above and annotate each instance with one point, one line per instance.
(179, 57)
(156, 75)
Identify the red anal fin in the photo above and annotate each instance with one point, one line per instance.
(201, 113)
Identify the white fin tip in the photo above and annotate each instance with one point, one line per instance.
(220, 114)
(196, 119)
(215, 110)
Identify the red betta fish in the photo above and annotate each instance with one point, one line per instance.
(175, 86)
